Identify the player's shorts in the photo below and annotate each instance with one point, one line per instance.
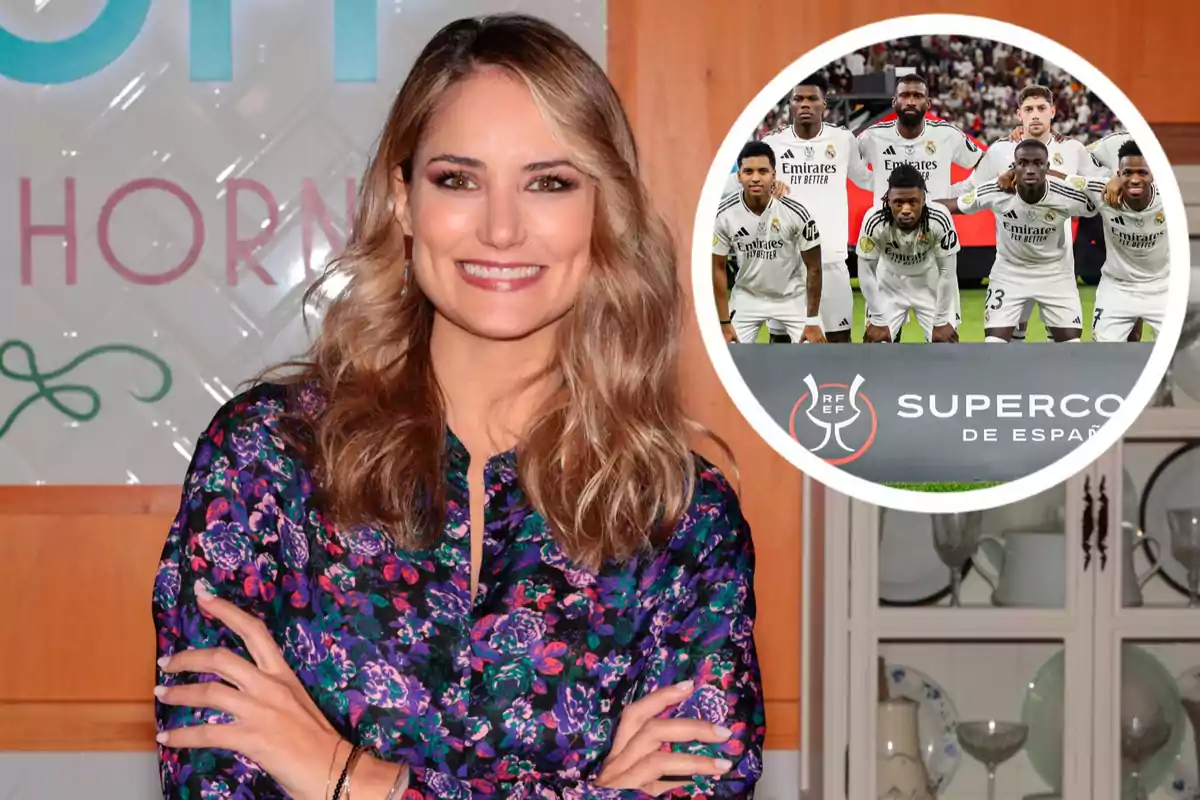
(750, 312)
(776, 327)
(1027, 311)
(837, 298)
(1011, 288)
(1119, 305)
(899, 294)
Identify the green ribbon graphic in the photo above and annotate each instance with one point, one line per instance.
(51, 394)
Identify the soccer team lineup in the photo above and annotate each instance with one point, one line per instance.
(785, 230)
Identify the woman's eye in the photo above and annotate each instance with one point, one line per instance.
(455, 180)
(550, 183)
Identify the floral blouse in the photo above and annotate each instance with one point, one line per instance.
(516, 694)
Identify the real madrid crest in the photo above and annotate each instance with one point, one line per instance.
(1051, 216)
(809, 152)
(1160, 218)
(775, 225)
(830, 151)
(866, 244)
(1077, 182)
(1058, 159)
(930, 147)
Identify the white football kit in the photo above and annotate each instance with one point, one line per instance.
(1031, 253)
(913, 270)
(939, 146)
(815, 171)
(1066, 156)
(1134, 279)
(1104, 154)
(734, 186)
(771, 272)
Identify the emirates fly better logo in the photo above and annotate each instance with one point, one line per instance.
(835, 421)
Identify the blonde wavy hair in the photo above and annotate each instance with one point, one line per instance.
(606, 460)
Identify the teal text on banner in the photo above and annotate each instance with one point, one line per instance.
(210, 43)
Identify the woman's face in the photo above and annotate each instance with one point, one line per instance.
(500, 218)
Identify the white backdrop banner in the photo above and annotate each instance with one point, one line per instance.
(173, 175)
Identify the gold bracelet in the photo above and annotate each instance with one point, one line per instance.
(332, 762)
(345, 776)
(351, 763)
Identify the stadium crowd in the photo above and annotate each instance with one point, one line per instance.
(974, 84)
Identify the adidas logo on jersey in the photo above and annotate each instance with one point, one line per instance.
(1118, 220)
(788, 154)
(741, 232)
(1010, 215)
(890, 151)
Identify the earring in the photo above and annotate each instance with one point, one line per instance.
(405, 277)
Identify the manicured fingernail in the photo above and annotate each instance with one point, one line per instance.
(685, 686)
(723, 765)
(202, 591)
(724, 733)
(159, 691)
(162, 662)
(161, 738)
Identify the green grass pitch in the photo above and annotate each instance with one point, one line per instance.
(971, 329)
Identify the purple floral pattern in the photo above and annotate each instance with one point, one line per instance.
(515, 694)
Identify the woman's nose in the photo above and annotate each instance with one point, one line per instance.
(502, 225)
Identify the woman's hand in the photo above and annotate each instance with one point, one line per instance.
(277, 725)
(640, 756)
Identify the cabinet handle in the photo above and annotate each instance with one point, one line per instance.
(1102, 523)
(1088, 522)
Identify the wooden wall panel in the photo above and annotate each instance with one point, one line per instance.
(78, 562)
(78, 566)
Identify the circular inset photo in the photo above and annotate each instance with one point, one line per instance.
(978, 245)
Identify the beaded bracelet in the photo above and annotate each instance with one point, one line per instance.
(355, 752)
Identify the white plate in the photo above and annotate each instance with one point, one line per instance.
(1185, 377)
(1042, 710)
(1173, 485)
(1185, 782)
(937, 722)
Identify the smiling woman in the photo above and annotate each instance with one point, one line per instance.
(462, 548)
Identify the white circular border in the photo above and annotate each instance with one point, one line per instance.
(837, 478)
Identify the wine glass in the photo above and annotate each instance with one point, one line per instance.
(955, 538)
(1141, 737)
(1185, 546)
(991, 743)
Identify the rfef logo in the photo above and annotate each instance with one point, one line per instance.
(834, 420)
(210, 43)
